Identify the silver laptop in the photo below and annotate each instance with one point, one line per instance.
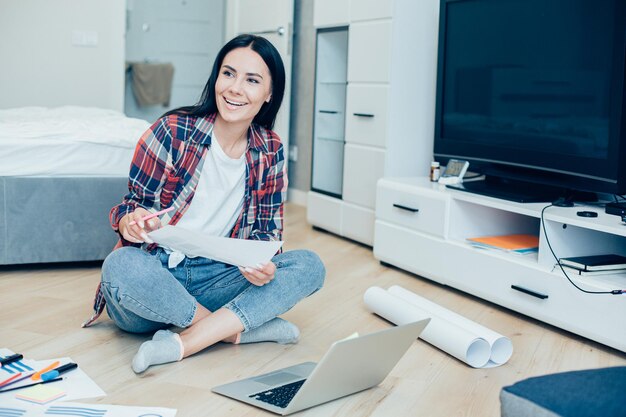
(349, 366)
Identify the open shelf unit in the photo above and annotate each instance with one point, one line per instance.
(330, 110)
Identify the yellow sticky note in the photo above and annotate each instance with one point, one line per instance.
(40, 394)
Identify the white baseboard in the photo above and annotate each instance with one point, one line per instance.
(296, 196)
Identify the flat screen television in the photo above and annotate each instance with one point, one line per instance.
(531, 93)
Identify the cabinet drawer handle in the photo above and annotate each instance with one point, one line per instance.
(363, 114)
(530, 292)
(328, 111)
(411, 209)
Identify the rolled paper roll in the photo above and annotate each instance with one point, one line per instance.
(447, 336)
(500, 346)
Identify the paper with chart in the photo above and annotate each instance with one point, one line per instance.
(76, 384)
(238, 252)
(83, 410)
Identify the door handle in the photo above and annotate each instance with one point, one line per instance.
(280, 31)
(529, 292)
(401, 207)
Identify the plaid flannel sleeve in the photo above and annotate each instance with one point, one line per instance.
(148, 173)
(268, 224)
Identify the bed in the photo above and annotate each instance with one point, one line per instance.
(61, 171)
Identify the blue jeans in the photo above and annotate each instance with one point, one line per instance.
(143, 295)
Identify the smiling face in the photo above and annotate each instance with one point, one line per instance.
(243, 85)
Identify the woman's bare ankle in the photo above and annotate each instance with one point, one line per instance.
(234, 339)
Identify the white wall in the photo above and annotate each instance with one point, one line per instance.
(39, 66)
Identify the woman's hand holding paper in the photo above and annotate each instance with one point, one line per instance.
(260, 275)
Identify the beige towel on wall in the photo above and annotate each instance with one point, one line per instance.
(152, 83)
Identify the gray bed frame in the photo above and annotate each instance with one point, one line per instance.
(57, 219)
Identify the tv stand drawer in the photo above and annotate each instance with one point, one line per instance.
(423, 212)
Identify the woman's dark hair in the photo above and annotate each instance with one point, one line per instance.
(267, 114)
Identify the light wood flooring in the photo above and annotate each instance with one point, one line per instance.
(42, 307)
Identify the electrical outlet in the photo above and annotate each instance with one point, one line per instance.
(293, 153)
(84, 38)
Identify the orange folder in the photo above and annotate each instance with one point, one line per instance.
(508, 242)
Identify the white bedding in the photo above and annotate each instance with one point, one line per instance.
(67, 141)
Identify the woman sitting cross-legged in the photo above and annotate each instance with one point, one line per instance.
(222, 168)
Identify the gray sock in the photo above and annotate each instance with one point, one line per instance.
(162, 334)
(276, 330)
(164, 348)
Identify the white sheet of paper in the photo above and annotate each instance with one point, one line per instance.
(11, 370)
(76, 383)
(77, 409)
(238, 252)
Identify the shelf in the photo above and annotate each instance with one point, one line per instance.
(528, 209)
(596, 282)
(606, 223)
(330, 139)
(528, 258)
(328, 130)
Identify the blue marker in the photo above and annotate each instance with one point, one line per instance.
(58, 371)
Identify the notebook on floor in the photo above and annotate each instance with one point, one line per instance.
(349, 366)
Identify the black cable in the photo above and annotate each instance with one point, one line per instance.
(545, 233)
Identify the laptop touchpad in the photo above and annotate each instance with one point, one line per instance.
(277, 378)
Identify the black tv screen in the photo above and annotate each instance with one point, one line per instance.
(533, 90)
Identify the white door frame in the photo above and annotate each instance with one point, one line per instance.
(267, 25)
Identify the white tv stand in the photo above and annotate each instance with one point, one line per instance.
(422, 227)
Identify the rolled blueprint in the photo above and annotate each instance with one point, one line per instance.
(447, 336)
(500, 346)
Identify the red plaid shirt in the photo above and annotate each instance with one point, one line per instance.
(166, 168)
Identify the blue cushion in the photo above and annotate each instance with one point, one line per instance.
(588, 393)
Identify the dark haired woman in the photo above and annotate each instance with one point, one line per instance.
(221, 167)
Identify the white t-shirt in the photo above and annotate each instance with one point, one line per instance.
(218, 199)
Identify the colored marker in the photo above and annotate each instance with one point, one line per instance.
(30, 385)
(150, 216)
(50, 367)
(58, 371)
(12, 378)
(10, 359)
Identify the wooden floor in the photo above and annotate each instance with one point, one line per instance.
(41, 309)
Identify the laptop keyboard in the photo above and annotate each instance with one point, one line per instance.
(279, 396)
